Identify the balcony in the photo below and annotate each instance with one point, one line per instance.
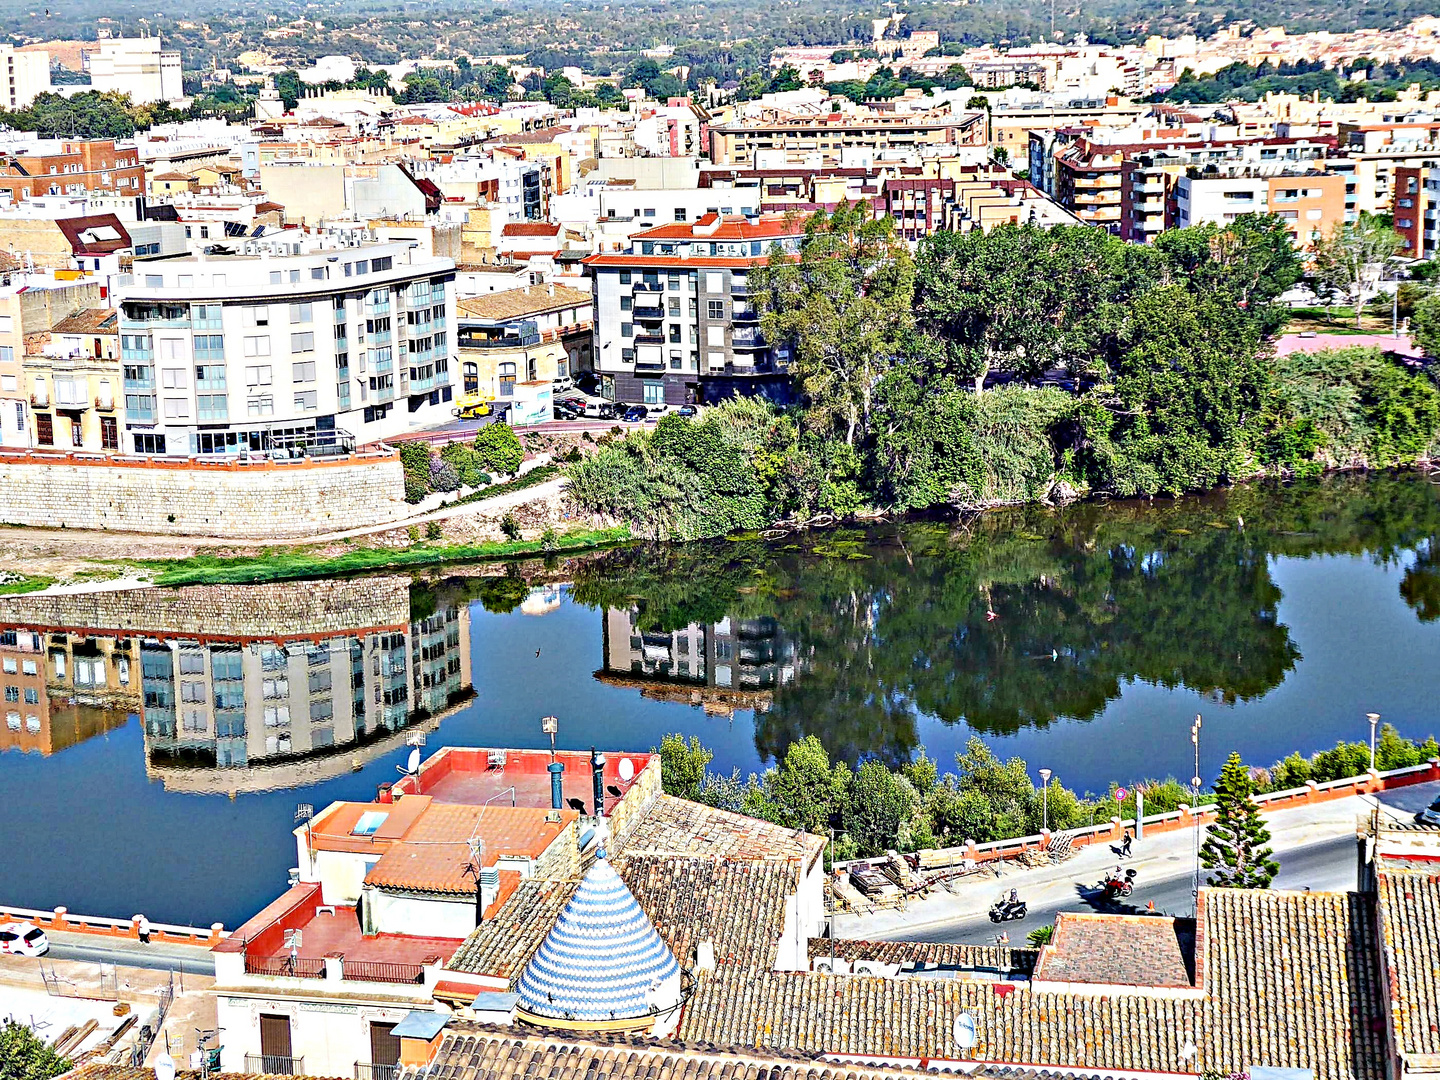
(285, 967)
(275, 1064)
(376, 971)
(649, 314)
(649, 287)
(747, 339)
(744, 313)
(649, 339)
(366, 1071)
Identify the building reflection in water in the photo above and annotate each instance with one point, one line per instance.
(719, 667)
(63, 688)
(304, 682)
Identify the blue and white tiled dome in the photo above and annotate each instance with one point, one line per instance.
(601, 958)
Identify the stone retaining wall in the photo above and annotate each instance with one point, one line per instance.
(284, 610)
(198, 498)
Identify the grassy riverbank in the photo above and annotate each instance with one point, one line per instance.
(289, 564)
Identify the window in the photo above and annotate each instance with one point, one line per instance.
(257, 346)
(154, 281)
(32, 696)
(257, 316)
(303, 372)
(470, 376)
(301, 313)
(385, 262)
(308, 400)
(259, 375)
(263, 405)
(149, 444)
(172, 378)
(213, 408)
(673, 283)
(44, 429)
(714, 335)
(715, 309)
(626, 303)
(317, 273)
(627, 330)
(295, 277)
(302, 343)
(109, 433)
(172, 349)
(654, 393)
(624, 277)
(675, 332)
(176, 408)
(507, 380)
(714, 281)
(627, 356)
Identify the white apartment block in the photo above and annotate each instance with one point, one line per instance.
(309, 351)
(24, 76)
(140, 67)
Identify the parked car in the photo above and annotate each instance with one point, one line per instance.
(589, 382)
(689, 410)
(563, 385)
(635, 414)
(567, 409)
(1430, 815)
(23, 939)
(597, 410)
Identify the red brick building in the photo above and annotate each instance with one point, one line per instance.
(72, 167)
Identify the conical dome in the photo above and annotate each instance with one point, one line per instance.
(600, 959)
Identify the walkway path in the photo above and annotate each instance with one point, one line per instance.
(1315, 847)
(1290, 343)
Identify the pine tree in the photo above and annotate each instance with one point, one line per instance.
(1235, 848)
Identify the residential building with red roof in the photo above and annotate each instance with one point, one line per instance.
(674, 322)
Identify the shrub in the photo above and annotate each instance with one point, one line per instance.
(433, 530)
(498, 449)
(415, 460)
(415, 488)
(443, 475)
(510, 527)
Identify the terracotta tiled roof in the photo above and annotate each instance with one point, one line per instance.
(520, 303)
(713, 227)
(531, 228)
(915, 1018)
(480, 1052)
(503, 945)
(1120, 950)
(740, 906)
(100, 1071)
(1290, 980)
(1410, 925)
(923, 953)
(679, 827)
(88, 321)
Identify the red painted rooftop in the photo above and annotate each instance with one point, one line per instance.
(474, 775)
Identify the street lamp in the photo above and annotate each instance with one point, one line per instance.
(1194, 799)
(549, 725)
(1374, 719)
(1045, 800)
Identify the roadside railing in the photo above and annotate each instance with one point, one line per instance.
(60, 919)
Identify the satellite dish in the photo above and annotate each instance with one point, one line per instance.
(164, 1067)
(627, 769)
(964, 1032)
(413, 765)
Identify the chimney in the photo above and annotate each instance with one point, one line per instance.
(597, 768)
(557, 770)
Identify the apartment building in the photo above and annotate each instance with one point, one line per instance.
(297, 344)
(1019, 113)
(140, 67)
(70, 167)
(674, 321)
(62, 688)
(31, 304)
(1312, 204)
(514, 344)
(839, 138)
(24, 76)
(73, 377)
(1417, 193)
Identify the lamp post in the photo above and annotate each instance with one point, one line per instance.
(1374, 719)
(1045, 775)
(1194, 799)
(549, 725)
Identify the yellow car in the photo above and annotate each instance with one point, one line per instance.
(473, 409)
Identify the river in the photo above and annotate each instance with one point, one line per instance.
(155, 758)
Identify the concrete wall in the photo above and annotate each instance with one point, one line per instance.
(252, 501)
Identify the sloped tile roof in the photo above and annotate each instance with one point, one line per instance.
(740, 906)
(1410, 926)
(1291, 980)
(600, 959)
(1120, 950)
(519, 303)
(921, 953)
(503, 945)
(680, 827)
(915, 1018)
(89, 321)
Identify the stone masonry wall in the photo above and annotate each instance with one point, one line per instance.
(230, 500)
(299, 609)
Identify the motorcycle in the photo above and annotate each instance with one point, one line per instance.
(1008, 909)
(1116, 885)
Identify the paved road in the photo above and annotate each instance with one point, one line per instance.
(156, 956)
(1326, 866)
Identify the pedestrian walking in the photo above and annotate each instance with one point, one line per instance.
(1125, 846)
(1003, 939)
(144, 927)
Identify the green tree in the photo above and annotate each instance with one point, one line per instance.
(1236, 850)
(682, 765)
(1252, 259)
(804, 791)
(1425, 325)
(499, 449)
(842, 309)
(25, 1056)
(879, 809)
(1352, 258)
(415, 460)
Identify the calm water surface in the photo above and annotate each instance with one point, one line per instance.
(155, 758)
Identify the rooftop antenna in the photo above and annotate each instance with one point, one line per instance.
(306, 812)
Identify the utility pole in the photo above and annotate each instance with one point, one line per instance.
(1374, 719)
(1194, 799)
